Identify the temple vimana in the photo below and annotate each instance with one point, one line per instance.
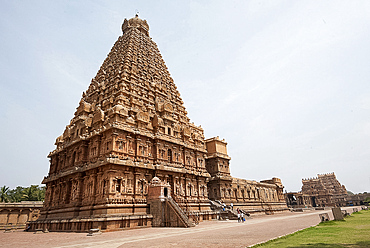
(130, 157)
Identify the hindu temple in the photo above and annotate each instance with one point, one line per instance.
(130, 157)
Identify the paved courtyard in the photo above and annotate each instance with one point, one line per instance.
(207, 234)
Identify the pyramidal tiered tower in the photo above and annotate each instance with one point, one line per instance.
(130, 126)
(129, 134)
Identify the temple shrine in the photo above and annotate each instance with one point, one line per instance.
(131, 154)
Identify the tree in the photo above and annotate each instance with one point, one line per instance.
(30, 193)
(4, 194)
(41, 193)
(15, 195)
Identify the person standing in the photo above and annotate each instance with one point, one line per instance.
(232, 206)
(238, 217)
(242, 217)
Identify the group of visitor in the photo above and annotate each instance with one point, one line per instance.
(241, 217)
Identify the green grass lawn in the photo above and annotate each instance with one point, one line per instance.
(353, 231)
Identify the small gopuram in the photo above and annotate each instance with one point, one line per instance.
(325, 190)
(131, 126)
(321, 191)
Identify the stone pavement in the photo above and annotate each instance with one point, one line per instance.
(258, 229)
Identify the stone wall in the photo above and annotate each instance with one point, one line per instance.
(17, 214)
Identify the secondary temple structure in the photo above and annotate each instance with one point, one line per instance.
(322, 191)
(131, 133)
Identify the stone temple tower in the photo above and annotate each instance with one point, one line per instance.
(131, 133)
(130, 126)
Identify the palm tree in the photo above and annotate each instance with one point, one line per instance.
(41, 193)
(4, 194)
(29, 194)
(15, 195)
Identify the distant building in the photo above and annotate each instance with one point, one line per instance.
(322, 191)
(131, 126)
(357, 199)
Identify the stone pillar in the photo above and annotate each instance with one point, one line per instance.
(137, 142)
(19, 214)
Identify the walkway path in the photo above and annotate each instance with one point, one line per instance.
(207, 234)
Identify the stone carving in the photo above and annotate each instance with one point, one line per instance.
(142, 116)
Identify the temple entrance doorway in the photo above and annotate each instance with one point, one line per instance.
(313, 199)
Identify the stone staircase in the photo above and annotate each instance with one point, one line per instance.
(233, 214)
(227, 214)
(215, 205)
(179, 212)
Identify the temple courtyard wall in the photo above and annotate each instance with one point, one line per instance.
(16, 215)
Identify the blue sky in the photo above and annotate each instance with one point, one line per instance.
(285, 83)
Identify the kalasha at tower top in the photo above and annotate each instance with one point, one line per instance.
(136, 22)
(131, 126)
